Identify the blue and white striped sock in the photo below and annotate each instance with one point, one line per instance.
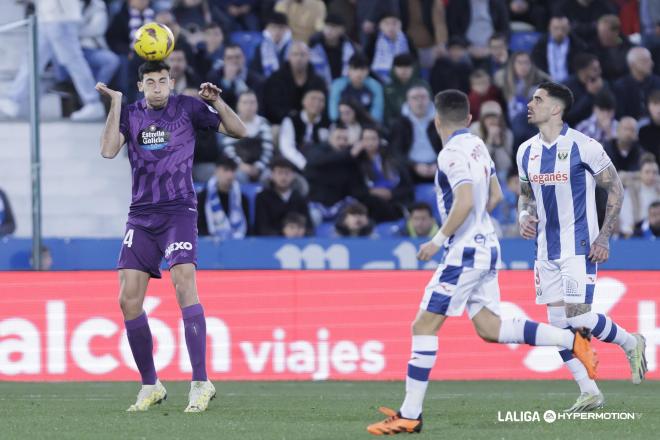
(523, 331)
(424, 350)
(607, 330)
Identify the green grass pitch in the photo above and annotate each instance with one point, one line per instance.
(317, 410)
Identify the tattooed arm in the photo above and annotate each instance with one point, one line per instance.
(527, 211)
(608, 180)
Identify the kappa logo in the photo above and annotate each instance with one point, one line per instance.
(177, 246)
(562, 155)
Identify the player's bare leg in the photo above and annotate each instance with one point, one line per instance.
(606, 330)
(201, 389)
(133, 286)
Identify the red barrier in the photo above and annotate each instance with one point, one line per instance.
(272, 325)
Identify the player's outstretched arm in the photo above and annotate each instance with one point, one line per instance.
(112, 139)
(610, 181)
(460, 209)
(495, 195)
(527, 211)
(231, 124)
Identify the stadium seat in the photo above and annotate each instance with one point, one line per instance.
(390, 229)
(250, 190)
(325, 230)
(425, 192)
(249, 41)
(523, 41)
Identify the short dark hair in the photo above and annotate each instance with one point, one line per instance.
(452, 105)
(404, 60)
(583, 60)
(646, 158)
(225, 162)
(277, 18)
(358, 61)
(560, 92)
(654, 96)
(231, 46)
(420, 206)
(655, 204)
(605, 100)
(498, 36)
(355, 208)
(151, 67)
(296, 218)
(282, 162)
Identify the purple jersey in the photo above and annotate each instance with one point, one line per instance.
(161, 144)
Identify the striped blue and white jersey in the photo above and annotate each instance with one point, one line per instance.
(465, 159)
(562, 179)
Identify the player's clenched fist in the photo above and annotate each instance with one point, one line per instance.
(209, 91)
(528, 226)
(427, 251)
(107, 91)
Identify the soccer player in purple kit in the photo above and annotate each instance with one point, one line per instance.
(162, 221)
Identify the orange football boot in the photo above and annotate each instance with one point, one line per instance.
(394, 424)
(583, 350)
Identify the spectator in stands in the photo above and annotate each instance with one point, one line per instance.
(180, 72)
(301, 130)
(518, 83)
(353, 116)
(601, 125)
(492, 129)
(390, 186)
(530, 13)
(650, 228)
(414, 137)
(183, 39)
(625, 150)
(387, 43)
(359, 87)
(274, 48)
(305, 17)
(648, 16)
(555, 51)
(278, 199)
(59, 40)
(7, 222)
(499, 53)
(611, 47)
(649, 128)
(253, 152)
(331, 50)
(633, 90)
(284, 90)
(194, 15)
(476, 21)
(368, 14)
(481, 90)
(584, 14)
(209, 56)
(334, 176)
(404, 76)
(453, 70)
(223, 209)
(585, 84)
(242, 14)
(46, 259)
(641, 192)
(294, 225)
(234, 77)
(425, 25)
(354, 221)
(103, 62)
(420, 223)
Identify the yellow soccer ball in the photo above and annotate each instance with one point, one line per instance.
(153, 42)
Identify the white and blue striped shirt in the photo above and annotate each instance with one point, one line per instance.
(465, 159)
(561, 175)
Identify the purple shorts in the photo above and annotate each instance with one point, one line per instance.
(150, 237)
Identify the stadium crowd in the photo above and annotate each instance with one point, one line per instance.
(337, 99)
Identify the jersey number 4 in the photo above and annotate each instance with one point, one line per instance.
(128, 240)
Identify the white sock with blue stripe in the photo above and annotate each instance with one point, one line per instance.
(523, 331)
(557, 318)
(603, 328)
(424, 350)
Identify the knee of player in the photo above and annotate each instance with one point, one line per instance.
(130, 304)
